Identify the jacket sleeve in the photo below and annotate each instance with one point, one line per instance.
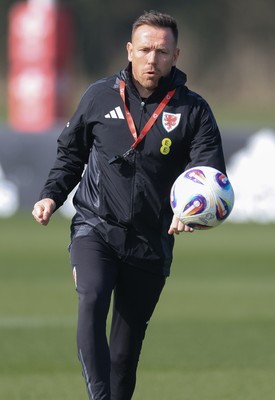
(73, 150)
(205, 144)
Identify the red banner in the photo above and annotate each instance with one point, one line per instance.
(40, 50)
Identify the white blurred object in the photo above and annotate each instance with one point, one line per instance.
(42, 2)
(250, 171)
(68, 210)
(9, 198)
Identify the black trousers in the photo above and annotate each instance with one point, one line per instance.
(109, 366)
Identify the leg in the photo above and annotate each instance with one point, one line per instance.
(136, 295)
(95, 272)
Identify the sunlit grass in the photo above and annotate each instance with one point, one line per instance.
(211, 337)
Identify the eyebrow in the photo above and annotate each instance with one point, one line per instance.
(147, 46)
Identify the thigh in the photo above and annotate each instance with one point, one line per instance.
(137, 293)
(135, 298)
(95, 268)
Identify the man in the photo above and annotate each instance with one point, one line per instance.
(136, 131)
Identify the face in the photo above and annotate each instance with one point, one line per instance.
(153, 52)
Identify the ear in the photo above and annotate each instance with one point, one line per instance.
(129, 48)
(176, 56)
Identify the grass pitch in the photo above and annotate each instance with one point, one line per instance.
(211, 337)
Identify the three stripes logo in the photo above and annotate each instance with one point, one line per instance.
(115, 114)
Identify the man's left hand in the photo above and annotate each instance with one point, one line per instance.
(177, 227)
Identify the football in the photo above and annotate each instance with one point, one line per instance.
(202, 197)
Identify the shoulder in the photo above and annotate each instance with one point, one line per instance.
(97, 93)
(199, 104)
(196, 99)
(184, 94)
(100, 86)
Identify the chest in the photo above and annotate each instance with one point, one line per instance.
(166, 135)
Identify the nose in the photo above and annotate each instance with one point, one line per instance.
(152, 57)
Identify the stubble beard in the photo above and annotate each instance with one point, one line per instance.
(146, 86)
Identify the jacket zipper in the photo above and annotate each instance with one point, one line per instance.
(142, 108)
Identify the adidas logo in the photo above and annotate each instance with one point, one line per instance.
(116, 114)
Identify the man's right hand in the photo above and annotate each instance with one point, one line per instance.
(43, 210)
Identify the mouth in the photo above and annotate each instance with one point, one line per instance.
(151, 73)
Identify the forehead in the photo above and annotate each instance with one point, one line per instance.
(151, 35)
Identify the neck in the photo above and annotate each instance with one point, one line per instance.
(143, 92)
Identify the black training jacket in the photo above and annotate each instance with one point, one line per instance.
(127, 201)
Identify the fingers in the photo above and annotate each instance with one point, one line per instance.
(43, 210)
(177, 227)
(38, 211)
(40, 214)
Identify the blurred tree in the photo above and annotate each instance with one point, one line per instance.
(103, 28)
(4, 9)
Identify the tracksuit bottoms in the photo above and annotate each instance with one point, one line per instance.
(109, 365)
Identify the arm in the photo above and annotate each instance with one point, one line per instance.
(73, 150)
(72, 155)
(205, 142)
(205, 149)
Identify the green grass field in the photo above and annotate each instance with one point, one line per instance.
(212, 336)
